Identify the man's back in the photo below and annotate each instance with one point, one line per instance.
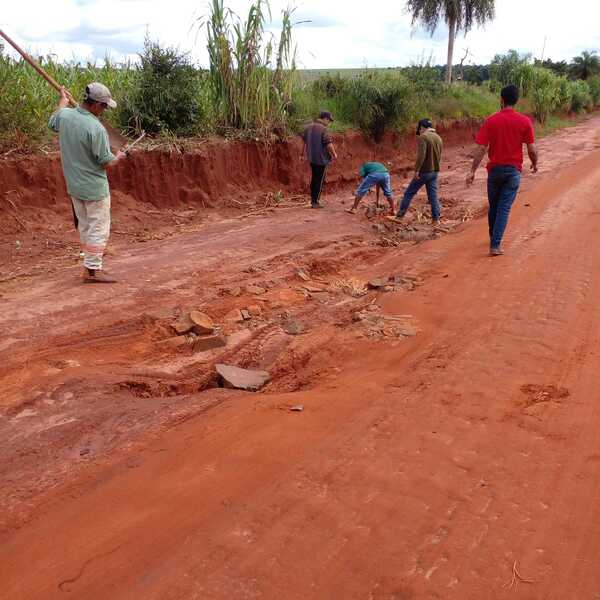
(84, 149)
(505, 132)
(316, 137)
(429, 151)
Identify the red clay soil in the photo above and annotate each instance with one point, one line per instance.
(448, 445)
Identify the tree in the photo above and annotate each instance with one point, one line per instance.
(459, 15)
(586, 65)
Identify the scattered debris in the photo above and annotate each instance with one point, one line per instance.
(297, 408)
(353, 287)
(242, 379)
(236, 291)
(255, 310)
(174, 342)
(303, 275)
(245, 314)
(375, 284)
(183, 325)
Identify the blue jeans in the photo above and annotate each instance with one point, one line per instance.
(502, 185)
(379, 179)
(430, 181)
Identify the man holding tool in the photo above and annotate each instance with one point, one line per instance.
(86, 156)
(373, 174)
(427, 168)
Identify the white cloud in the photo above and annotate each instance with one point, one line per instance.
(342, 33)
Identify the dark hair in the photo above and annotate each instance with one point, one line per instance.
(423, 124)
(510, 95)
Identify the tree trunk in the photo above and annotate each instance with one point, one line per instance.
(451, 37)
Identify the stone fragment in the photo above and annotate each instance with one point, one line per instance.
(208, 342)
(183, 325)
(375, 284)
(255, 289)
(297, 408)
(242, 379)
(236, 291)
(245, 314)
(292, 327)
(234, 316)
(203, 324)
(255, 310)
(175, 342)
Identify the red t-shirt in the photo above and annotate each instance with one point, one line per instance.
(505, 133)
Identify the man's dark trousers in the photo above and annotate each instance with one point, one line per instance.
(316, 182)
(502, 185)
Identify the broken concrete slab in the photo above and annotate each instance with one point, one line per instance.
(242, 379)
(203, 324)
(208, 342)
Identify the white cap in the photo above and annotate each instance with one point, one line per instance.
(100, 93)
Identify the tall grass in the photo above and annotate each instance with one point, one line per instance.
(252, 78)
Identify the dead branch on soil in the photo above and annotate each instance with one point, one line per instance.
(15, 217)
(352, 286)
(516, 577)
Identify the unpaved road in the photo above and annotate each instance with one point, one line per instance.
(461, 463)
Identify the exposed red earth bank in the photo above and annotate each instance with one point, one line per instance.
(448, 445)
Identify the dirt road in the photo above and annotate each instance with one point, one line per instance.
(462, 462)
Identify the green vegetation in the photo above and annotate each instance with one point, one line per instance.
(252, 88)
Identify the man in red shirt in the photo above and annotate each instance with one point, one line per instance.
(502, 135)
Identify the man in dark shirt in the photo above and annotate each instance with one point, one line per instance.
(319, 151)
(427, 168)
(502, 135)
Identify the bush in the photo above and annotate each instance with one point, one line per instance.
(168, 97)
(594, 83)
(379, 101)
(582, 97)
(544, 93)
(564, 94)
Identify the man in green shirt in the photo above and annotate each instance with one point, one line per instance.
(374, 174)
(427, 168)
(86, 156)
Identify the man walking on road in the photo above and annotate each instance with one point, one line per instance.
(427, 168)
(319, 151)
(502, 135)
(85, 156)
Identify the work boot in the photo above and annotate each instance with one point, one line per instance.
(316, 205)
(352, 210)
(496, 251)
(436, 222)
(96, 276)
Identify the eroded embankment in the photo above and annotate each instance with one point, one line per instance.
(210, 176)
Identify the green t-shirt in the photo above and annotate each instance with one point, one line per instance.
(372, 167)
(84, 150)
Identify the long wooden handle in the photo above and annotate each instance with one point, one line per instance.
(32, 62)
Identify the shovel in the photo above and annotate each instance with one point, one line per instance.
(115, 138)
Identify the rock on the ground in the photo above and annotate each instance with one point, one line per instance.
(183, 325)
(292, 327)
(242, 379)
(245, 314)
(203, 324)
(375, 284)
(255, 289)
(208, 342)
(234, 316)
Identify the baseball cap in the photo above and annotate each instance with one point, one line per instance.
(99, 93)
(425, 124)
(325, 114)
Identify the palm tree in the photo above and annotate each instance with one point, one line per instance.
(585, 65)
(459, 15)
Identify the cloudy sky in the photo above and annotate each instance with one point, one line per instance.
(339, 33)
